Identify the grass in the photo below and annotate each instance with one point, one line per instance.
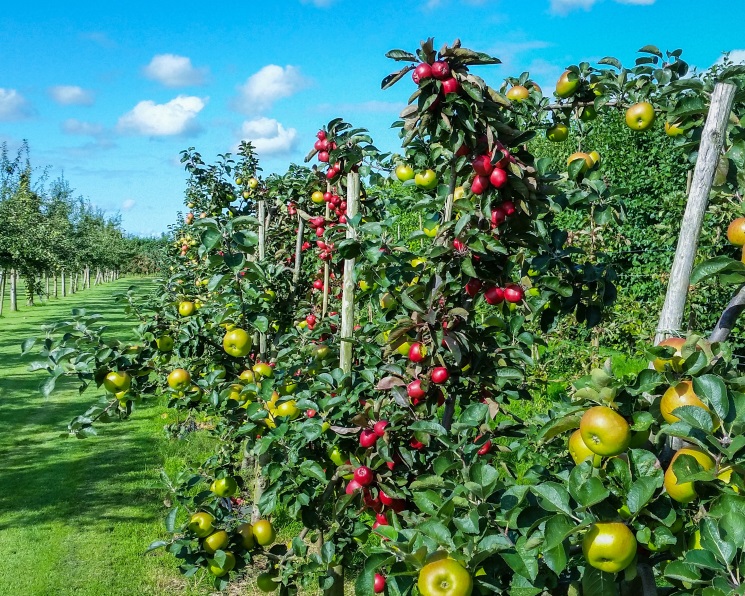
(76, 516)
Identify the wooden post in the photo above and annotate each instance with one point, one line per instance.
(327, 265)
(347, 300)
(448, 215)
(712, 139)
(13, 291)
(298, 252)
(262, 255)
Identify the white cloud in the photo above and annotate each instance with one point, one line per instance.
(269, 136)
(736, 56)
(270, 84)
(158, 120)
(174, 71)
(72, 126)
(13, 106)
(564, 6)
(71, 95)
(127, 204)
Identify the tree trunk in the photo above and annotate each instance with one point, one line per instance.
(88, 277)
(56, 295)
(64, 286)
(2, 290)
(712, 140)
(347, 301)
(13, 291)
(30, 289)
(46, 280)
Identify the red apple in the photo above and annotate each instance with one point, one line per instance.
(417, 352)
(421, 72)
(498, 178)
(494, 295)
(379, 427)
(379, 583)
(380, 520)
(352, 487)
(323, 156)
(321, 134)
(440, 70)
(310, 319)
(513, 293)
(498, 216)
(439, 375)
(482, 165)
(414, 390)
(415, 444)
(318, 284)
(450, 85)
(364, 476)
(473, 286)
(479, 185)
(459, 245)
(368, 438)
(509, 208)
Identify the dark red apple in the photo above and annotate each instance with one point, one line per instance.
(379, 584)
(498, 178)
(479, 185)
(368, 438)
(439, 375)
(509, 208)
(450, 85)
(364, 476)
(352, 486)
(417, 352)
(494, 295)
(482, 165)
(421, 72)
(379, 427)
(414, 390)
(440, 70)
(513, 293)
(473, 287)
(498, 216)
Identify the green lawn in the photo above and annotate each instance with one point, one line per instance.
(77, 515)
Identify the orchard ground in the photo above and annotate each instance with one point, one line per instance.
(77, 516)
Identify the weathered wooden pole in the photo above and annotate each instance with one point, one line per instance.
(13, 291)
(326, 265)
(298, 252)
(262, 255)
(712, 140)
(347, 297)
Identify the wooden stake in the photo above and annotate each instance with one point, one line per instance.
(298, 252)
(262, 255)
(347, 300)
(712, 140)
(326, 266)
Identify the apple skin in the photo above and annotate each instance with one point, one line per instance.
(473, 287)
(439, 375)
(580, 155)
(380, 427)
(404, 172)
(417, 352)
(640, 116)
(604, 431)
(368, 438)
(450, 85)
(237, 343)
(426, 180)
(566, 87)
(609, 546)
(415, 391)
(494, 295)
(558, 133)
(378, 583)
(498, 178)
(440, 70)
(518, 93)
(422, 72)
(736, 231)
(513, 293)
(479, 185)
(364, 476)
(482, 165)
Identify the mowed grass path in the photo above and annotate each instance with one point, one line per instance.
(77, 515)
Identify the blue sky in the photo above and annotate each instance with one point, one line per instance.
(109, 93)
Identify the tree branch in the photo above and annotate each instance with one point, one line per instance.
(729, 317)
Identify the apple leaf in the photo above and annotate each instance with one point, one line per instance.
(401, 56)
(711, 388)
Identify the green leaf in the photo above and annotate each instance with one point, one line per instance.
(555, 552)
(312, 469)
(680, 571)
(170, 520)
(711, 539)
(598, 583)
(641, 492)
(554, 497)
(47, 386)
(211, 237)
(437, 531)
(715, 266)
(712, 388)
(27, 345)
(585, 488)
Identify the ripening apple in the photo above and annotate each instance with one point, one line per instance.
(116, 382)
(421, 72)
(558, 133)
(237, 343)
(414, 390)
(404, 172)
(482, 165)
(640, 116)
(498, 178)
(426, 180)
(417, 352)
(364, 476)
(479, 185)
(580, 155)
(494, 295)
(567, 84)
(439, 375)
(518, 93)
(473, 287)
